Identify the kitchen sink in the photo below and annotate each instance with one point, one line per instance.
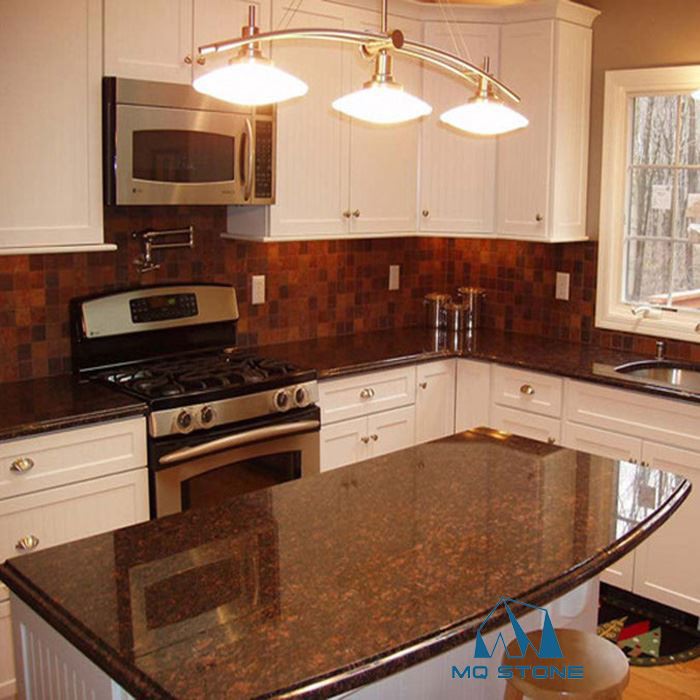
(666, 372)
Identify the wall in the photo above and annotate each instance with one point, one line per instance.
(634, 34)
(314, 289)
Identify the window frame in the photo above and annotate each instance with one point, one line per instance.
(611, 312)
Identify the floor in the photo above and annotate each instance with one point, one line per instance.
(676, 682)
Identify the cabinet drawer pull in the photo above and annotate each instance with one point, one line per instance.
(367, 393)
(356, 214)
(423, 385)
(539, 218)
(365, 439)
(22, 465)
(27, 543)
(551, 440)
(527, 389)
(201, 60)
(188, 60)
(375, 437)
(346, 214)
(426, 213)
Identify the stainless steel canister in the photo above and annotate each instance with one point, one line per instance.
(472, 300)
(456, 316)
(435, 316)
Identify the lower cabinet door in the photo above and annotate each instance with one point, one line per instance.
(435, 400)
(472, 395)
(391, 430)
(7, 670)
(668, 563)
(625, 448)
(529, 425)
(344, 443)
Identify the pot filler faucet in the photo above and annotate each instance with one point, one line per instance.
(151, 240)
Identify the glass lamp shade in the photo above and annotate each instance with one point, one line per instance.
(484, 117)
(382, 103)
(250, 82)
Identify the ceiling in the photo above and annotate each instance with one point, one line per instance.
(479, 2)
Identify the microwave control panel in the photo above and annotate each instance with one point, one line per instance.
(263, 159)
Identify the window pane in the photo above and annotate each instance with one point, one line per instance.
(690, 133)
(654, 129)
(648, 271)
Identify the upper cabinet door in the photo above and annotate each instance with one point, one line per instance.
(383, 159)
(50, 73)
(312, 139)
(458, 171)
(527, 67)
(149, 39)
(217, 20)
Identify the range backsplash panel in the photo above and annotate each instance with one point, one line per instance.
(314, 289)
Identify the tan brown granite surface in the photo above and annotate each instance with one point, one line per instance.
(334, 581)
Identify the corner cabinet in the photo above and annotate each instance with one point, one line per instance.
(543, 169)
(50, 81)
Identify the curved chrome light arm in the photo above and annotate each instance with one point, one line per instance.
(371, 42)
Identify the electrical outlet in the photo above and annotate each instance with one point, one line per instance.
(258, 289)
(394, 276)
(563, 285)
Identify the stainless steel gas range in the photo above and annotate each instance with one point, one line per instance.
(222, 420)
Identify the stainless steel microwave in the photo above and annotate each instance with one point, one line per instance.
(167, 144)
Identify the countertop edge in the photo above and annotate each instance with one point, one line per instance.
(364, 671)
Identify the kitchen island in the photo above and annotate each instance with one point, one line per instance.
(337, 581)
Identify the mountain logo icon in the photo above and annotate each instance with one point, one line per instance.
(549, 646)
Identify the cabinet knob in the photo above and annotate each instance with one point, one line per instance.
(356, 213)
(375, 437)
(423, 385)
(527, 389)
(426, 213)
(188, 60)
(201, 60)
(22, 465)
(551, 440)
(346, 214)
(367, 393)
(539, 218)
(365, 439)
(27, 543)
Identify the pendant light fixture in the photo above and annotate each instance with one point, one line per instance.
(484, 114)
(382, 100)
(250, 79)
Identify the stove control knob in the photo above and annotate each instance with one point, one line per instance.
(301, 396)
(185, 421)
(282, 400)
(207, 415)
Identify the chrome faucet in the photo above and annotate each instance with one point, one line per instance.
(660, 349)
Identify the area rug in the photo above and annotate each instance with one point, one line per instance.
(649, 634)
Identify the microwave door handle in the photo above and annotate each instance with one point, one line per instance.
(239, 440)
(248, 180)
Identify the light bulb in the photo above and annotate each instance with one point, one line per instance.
(250, 82)
(382, 103)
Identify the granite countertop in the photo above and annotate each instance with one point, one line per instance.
(336, 580)
(54, 403)
(363, 352)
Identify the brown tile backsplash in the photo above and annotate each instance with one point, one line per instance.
(314, 289)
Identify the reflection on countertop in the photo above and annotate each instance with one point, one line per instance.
(345, 577)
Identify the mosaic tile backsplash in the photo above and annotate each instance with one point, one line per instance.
(314, 289)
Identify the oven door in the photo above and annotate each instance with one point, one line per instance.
(204, 470)
(179, 156)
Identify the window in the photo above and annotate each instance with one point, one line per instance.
(649, 256)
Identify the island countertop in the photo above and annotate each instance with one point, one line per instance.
(324, 584)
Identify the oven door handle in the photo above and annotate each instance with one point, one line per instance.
(239, 440)
(250, 144)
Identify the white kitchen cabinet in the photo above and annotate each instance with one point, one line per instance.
(344, 443)
(526, 424)
(352, 441)
(542, 170)
(158, 39)
(149, 39)
(457, 171)
(50, 150)
(625, 448)
(527, 390)
(667, 569)
(472, 395)
(435, 400)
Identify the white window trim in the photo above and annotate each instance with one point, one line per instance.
(611, 312)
